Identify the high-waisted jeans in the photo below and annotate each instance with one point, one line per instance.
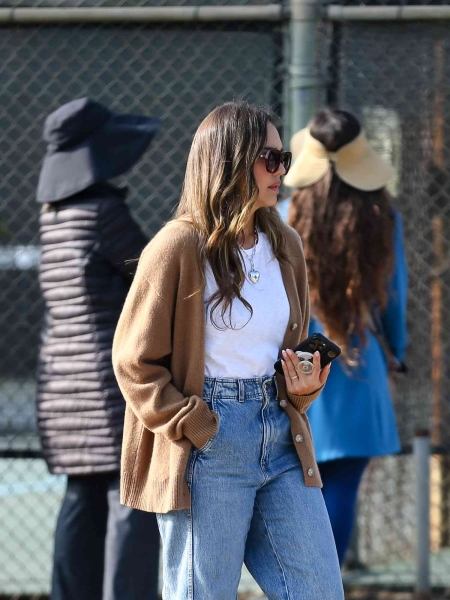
(249, 503)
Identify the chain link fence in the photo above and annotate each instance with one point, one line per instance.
(395, 77)
(178, 73)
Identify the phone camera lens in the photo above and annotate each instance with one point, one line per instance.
(332, 354)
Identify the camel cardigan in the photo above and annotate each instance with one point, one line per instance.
(159, 358)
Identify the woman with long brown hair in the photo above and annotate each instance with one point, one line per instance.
(353, 244)
(214, 443)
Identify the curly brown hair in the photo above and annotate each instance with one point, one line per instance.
(348, 241)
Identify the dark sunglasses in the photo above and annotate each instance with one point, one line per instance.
(274, 158)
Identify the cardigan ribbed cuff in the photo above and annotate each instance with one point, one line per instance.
(302, 403)
(202, 425)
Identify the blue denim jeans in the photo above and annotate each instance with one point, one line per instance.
(249, 504)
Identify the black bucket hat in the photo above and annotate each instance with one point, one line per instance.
(88, 143)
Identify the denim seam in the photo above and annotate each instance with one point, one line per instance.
(265, 440)
(236, 397)
(191, 530)
(233, 379)
(288, 597)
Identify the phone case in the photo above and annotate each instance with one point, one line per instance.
(328, 350)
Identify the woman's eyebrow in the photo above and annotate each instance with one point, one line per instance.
(272, 148)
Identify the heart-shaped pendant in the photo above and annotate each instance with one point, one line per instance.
(254, 276)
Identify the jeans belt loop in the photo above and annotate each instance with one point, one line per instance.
(241, 390)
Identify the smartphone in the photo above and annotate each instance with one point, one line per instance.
(328, 350)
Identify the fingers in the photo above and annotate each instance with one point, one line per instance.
(316, 373)
(299, 383)
(316, 362)
(324, 374)
(291, 361)
(287, 377)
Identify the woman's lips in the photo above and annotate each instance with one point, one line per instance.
(275, 187)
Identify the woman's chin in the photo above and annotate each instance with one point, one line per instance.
(273, 200)
(267, 201)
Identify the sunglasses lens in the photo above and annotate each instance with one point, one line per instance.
(274, 158)
(273, 161)
(287, 159)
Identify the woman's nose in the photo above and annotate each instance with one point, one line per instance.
(281, 170)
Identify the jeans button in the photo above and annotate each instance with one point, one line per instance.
(299, 438)
(283, 403)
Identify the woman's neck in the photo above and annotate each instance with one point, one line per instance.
(248, 234)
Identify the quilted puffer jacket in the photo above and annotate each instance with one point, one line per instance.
(88, 245)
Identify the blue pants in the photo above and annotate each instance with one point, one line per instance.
(341, 479)
(103, 550)
(249, 503)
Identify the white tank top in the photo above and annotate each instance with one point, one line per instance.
(252, 346)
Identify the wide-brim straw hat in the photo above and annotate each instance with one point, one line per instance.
(87, 144)
(356, 163)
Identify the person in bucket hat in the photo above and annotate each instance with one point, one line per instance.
(357, 271)
(87, 144)
(103, 550)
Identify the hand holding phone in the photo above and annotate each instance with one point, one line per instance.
(316, 342)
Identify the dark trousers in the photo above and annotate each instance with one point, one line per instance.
(341, 479)
(103, 550)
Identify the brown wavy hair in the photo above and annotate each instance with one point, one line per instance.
(348, 241)
(219, 194)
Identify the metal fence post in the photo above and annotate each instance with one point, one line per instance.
(422, 459)
(304, 78)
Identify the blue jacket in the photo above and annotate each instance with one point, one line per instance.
(354, 415)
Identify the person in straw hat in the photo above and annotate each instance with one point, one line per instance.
(353, 242)
(88, 237)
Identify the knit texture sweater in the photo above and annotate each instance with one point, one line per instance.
(159, 362)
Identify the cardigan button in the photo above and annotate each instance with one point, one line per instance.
(283, 403)
(310, 472)
(294, 326)
(299, 438)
